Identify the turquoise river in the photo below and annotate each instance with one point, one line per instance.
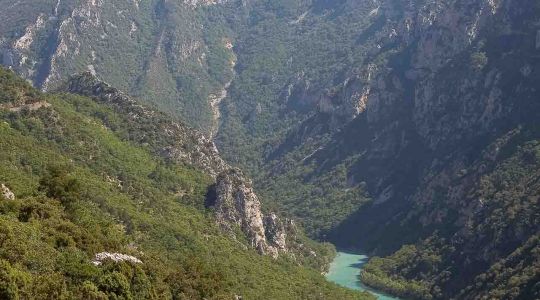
(345, 270)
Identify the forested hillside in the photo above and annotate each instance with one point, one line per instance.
(407, 129)
(87, 212)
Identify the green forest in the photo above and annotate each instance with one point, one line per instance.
(81, 189)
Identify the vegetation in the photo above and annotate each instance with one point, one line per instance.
(479, 60)
(466, 212)
(395, 274)
(291, 54)
(82, 189)
(507, 217)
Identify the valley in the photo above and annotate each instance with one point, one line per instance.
(214, 134)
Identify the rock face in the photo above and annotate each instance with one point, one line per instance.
(237, 204)
(233, 198)
(154, 49)
(6, 192)
(115, 257)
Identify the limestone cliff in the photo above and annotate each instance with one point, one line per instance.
(154, 50)
(236, 204)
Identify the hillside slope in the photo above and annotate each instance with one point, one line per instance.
(89, 211)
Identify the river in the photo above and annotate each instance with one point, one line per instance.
(345, 270)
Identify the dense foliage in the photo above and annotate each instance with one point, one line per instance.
(290, 54)
(505, 226)
(81, 189)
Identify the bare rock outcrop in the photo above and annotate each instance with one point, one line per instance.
(115, 257)
(236, 204)
(6, 192)
(197, 3)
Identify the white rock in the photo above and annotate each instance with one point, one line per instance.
(6, 192)
(116, 257)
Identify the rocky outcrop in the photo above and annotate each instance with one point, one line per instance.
(6, 192)
(27, 106)
(115, 257)
(236, 204)
(275, 232)
(215, 99)
(197, 3)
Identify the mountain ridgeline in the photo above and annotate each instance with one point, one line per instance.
(406, 129)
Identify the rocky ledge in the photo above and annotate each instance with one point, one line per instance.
(6, 192)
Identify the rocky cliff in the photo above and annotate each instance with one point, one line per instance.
(236, 204)
(151, 49)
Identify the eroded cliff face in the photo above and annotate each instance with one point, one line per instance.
(154, 50)
(453, 84)
(233, 198)
(236, 204)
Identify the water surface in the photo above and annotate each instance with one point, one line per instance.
(345, 270)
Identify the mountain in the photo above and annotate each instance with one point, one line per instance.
(407, 129)
(156, 50)
(102, 197)
(414, 127)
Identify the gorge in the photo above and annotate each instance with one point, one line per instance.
(206, 135)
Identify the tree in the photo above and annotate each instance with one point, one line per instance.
(58, 184)
(479, 60)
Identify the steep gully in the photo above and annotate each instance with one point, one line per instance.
(215, 99)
